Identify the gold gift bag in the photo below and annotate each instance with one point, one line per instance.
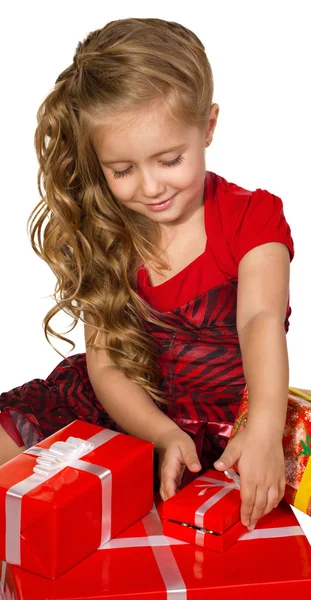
(296, 445)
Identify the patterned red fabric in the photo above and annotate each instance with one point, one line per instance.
(202, 373)
(236, 220)
(42, 406)
(201, 367)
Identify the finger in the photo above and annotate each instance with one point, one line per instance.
(282, 486)
(259, 505)
(280, 492)
(228, 458)
(168, 489)
(190, 457)
(248, 496)
(169, 483)
(180, 476)
(162, 494)
(272, 499)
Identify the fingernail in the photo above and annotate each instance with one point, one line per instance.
(195, 465)
(245, 523)
(251, 527)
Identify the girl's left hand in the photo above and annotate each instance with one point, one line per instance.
(259, 459)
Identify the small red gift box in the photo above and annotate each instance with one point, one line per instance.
(206, 512)
(62, 499)
(271, 562)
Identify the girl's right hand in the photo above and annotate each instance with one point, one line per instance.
(176, 451)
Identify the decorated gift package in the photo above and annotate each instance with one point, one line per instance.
(62, 499)
(206, 512)
(273, 561)
(296, 445)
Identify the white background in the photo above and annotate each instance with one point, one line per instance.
(260, 57)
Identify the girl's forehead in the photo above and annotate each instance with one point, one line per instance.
(135, 127)
(136, 121)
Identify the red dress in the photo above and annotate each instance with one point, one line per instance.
(201, 368)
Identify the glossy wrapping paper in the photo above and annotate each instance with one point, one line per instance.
(296, 445)
(64, 518)
(271, 562)
(206, 512)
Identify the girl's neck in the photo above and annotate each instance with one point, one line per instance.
(171, 234)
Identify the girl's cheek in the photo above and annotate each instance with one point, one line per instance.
(123, 194)
(119, 190)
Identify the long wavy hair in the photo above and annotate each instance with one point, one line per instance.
(92, 242)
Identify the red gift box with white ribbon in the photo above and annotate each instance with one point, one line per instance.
(206, 512)
(63, 498)
(271, 562)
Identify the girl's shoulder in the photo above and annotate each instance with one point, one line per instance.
(232, 198)
(247, 218)
(223, 185)
(235, 203)
(227, 195)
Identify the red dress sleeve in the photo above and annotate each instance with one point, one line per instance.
(256, 219)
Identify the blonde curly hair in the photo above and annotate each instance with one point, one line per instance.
(92, 242)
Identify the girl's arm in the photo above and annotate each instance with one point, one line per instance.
(133, 409)
(126, 402)
(263, 289)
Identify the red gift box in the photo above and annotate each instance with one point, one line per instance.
(82, 493)
(206, 512)
(271, 562)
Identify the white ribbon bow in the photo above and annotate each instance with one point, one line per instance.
(49, 462)
(58, 456)
(231, 474)
(225, 486)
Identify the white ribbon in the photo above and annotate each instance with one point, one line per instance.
(58, 456)
(49, 462)
(5, 592)
(171, 575)
(160, 545)
(226, 488)
(2, 580)
(271, 532)
(231, 474)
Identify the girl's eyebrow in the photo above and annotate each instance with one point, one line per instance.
(110, 162)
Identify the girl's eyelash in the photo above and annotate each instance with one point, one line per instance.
(171, 163)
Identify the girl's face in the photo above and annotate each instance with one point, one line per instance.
(148, 159)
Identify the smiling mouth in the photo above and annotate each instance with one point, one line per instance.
(163, 202)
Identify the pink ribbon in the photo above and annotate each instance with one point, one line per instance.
(50, 462)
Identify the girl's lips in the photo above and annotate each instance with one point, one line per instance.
(162, 205)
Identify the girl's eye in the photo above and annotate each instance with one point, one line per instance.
(172, 163)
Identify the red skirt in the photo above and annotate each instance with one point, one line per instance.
(33, 411)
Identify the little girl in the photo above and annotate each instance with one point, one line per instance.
(180, 277)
